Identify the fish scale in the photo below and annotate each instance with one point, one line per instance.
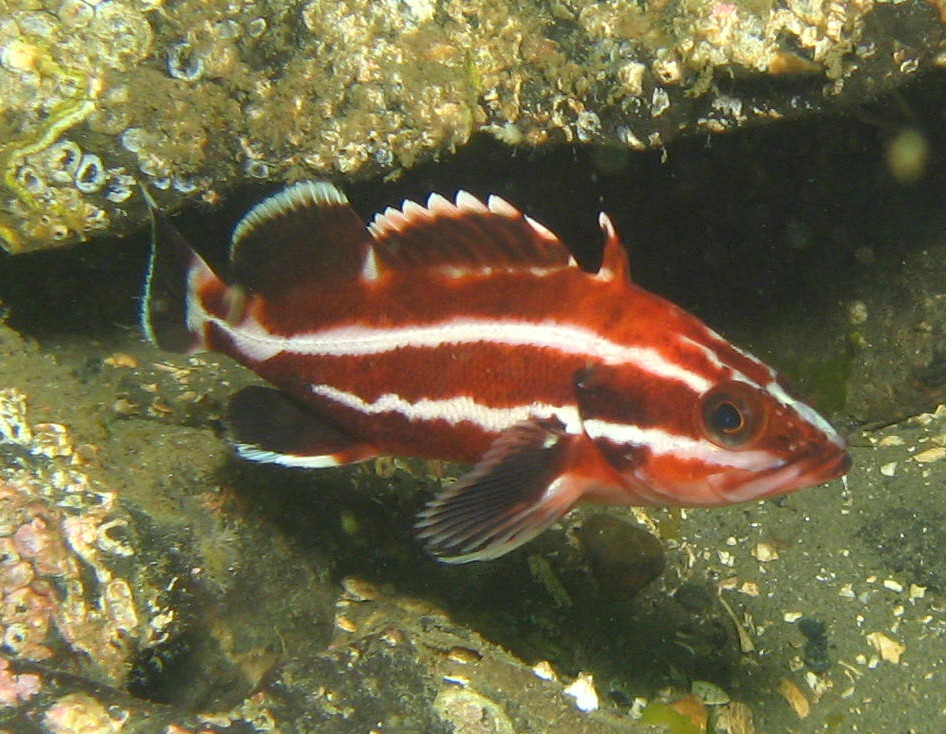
(466, 331)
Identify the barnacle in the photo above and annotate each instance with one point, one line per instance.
(184, 62)
(62, 160)
(119, 188)
(587, 126)
(90, 175)
(75, 13)
(184, 185)
(256, 169)
(63, 116)
(256, 27)
(134, 139)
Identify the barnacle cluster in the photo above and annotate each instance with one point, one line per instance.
(69, 594)
(684, 46)
(193, 96)
(60, 63)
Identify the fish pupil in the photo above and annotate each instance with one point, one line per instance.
(733, 414)
(727, 418)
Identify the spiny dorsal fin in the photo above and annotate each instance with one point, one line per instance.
(301, 236)
(464, 235)
(614, 263)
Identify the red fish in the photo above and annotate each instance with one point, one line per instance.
(465, 331)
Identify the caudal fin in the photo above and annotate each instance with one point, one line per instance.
(171, 315)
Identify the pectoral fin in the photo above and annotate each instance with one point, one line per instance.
(521, 486)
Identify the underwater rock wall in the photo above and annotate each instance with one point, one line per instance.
(194, 97)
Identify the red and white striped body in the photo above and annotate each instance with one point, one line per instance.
(465, 331)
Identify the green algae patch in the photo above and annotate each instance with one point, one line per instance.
(668, 719)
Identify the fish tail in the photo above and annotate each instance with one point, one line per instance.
(172, 316)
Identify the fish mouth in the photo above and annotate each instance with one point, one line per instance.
(835, 468)
(817, 468)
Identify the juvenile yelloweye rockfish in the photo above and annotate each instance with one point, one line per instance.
(466, 331)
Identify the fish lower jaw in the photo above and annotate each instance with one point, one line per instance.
(780, 480)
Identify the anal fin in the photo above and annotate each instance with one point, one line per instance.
(521, 486)
(268, 425)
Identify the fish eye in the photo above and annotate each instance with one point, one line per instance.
(732, 414)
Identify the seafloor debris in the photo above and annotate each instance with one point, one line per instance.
(735, 718)
(192, 97)
(582, 689)
(795, 698)
(889, 649)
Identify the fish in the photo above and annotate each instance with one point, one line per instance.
(464, 330)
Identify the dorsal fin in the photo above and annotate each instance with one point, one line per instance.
(463, 235)
(614, 263)
(301, 236)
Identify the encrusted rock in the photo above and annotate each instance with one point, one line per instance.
(67, 592)
(193, 97)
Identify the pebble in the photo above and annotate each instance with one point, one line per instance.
(623, 557)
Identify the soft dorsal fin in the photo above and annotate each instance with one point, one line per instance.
(463, 235)
(301, 236)
(614, 263)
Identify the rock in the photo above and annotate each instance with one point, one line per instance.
(623, 557)
(815, 651)
(399, 660)
(194, 97)
(75, 597)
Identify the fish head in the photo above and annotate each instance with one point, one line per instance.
(755, 442)
(720, 436)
